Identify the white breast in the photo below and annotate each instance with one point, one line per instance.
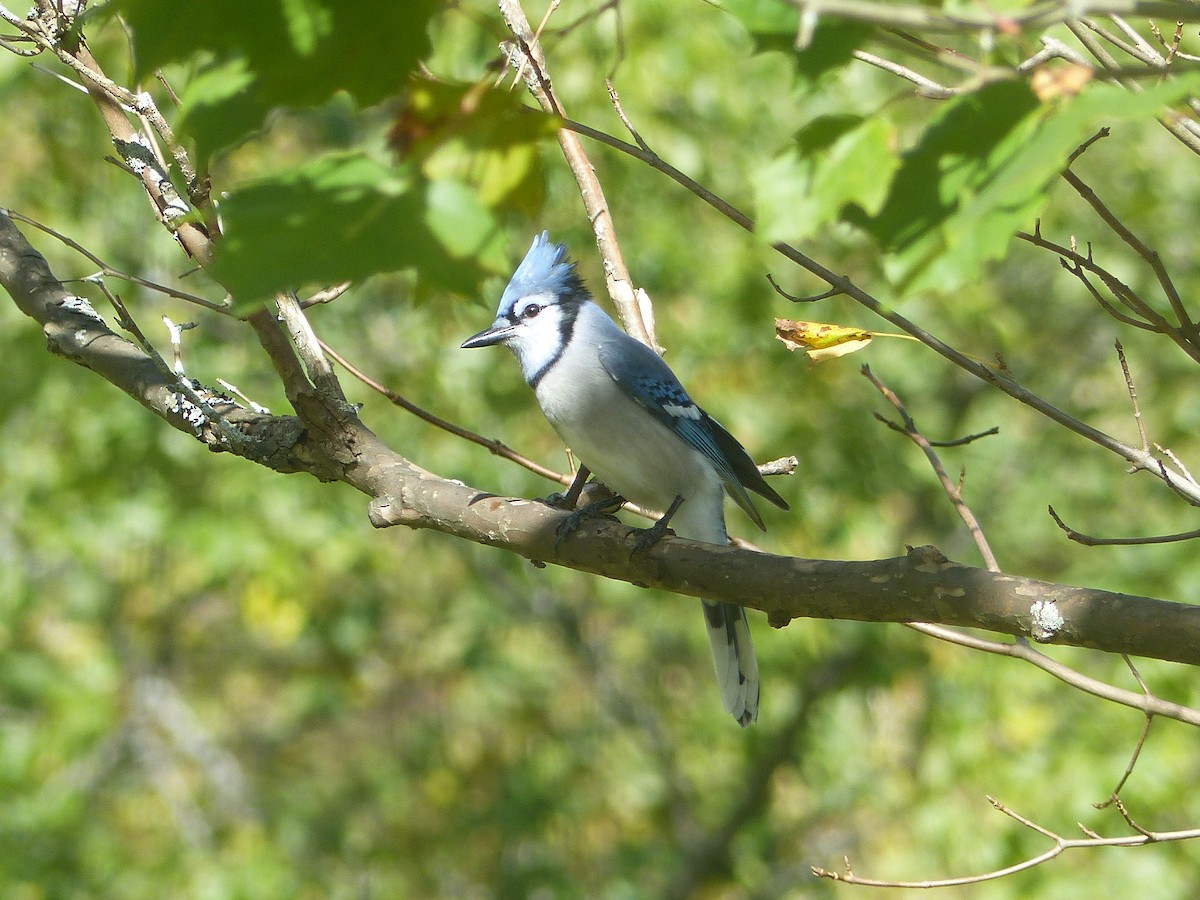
(627, 448)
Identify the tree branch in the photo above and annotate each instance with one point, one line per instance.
(331, 443)
(1061, 845)
(525, 56)
(840, 284)
(1039, 15)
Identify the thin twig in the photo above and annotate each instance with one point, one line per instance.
(225, 308)
(1090, 541)
(1114, 797)
(1144, 702)
(1061, 845)
(926, 87)
(967, 439)
(952, 490)
(1133, 399)
(1077, 270)
(997, 379)
(497, 448)
(615, 99)
(328, 295)
(825, 295)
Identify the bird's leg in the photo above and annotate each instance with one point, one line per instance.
(571, 497)
(605, 506)
(648, 537)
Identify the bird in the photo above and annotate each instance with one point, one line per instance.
(624, 414)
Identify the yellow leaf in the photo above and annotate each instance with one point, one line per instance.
(821, 340)
(1060, 81)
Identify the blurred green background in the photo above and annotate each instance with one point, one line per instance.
(217, 681)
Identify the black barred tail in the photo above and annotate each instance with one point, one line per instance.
(733, 658)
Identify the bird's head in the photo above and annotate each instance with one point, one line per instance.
(537, 309)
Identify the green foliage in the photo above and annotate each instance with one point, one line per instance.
(982, 171)
(341, 215)
(837, 161)
(217, 681)
(346, 216)
(979, 171)
(299, 51)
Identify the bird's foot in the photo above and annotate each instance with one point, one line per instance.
(570, 499)
(604, 507)
(648, 537)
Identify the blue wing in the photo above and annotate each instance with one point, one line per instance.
(643, 375)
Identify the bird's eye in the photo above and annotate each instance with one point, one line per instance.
(530, 311)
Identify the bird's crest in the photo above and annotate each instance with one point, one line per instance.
(544, 270)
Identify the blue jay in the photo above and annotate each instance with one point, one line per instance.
(625, 415)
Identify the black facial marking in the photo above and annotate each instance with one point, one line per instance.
(566, 327)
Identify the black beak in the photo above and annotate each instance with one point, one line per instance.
(500, 331)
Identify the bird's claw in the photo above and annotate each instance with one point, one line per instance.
(571, 523)
(645, 538)
(557, 501)
(648, 537)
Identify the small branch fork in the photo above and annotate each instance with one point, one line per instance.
(953, 490)
(1020, 649)
(1061, 845)
(1090, 541)
(526, 58)
(1139, 313)
(998, 378)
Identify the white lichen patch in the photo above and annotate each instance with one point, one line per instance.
(1047, 621)
(82, 306)
(191, 413)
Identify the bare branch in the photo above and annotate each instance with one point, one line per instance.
(952, 490)
(1061, 845)
(1139, 247)
(525, 55)
(1137, 409)
(967, 19)
(843, 285)
(1089, 541)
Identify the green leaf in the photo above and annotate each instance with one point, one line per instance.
(983, 170)
(463, 225)
(347, 216)
(308, 22)
(837, 160)
(220, 107)
(774, 25)
(764, 17)
(485, 138)
(300, 51)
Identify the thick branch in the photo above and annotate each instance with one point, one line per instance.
(331, 443)
(921, 586)
(74, 330)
